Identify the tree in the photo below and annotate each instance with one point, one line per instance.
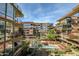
(52, 34)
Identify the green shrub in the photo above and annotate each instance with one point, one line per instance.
(25, 44)
(51, 36)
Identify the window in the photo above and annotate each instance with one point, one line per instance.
(1, 27)
(27, 32)
(69, 26)
(27, 26)
(68, 20)
(2, 9)
(64, 26)
(10, 10)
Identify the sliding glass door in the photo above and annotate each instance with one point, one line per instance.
(1, 37)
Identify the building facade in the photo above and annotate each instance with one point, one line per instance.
(28, 29)
(9, 13)
(69, 28)
(35, 29)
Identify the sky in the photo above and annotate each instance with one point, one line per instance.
(45, 12)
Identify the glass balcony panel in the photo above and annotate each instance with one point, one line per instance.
(9, 10)
(2, 15)
(2, 8)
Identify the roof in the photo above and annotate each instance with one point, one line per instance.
(27, 22)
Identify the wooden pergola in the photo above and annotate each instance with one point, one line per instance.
(73, 12)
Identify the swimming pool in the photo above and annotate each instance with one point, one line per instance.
(44, 46)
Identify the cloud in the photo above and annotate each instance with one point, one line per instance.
(45, 19)
(46, 12)
(42, 21)
(49, 16)
(38, 10)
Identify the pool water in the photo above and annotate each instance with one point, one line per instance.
(47, 46)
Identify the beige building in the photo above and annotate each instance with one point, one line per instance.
(35, 29)
(69, 28)
(28, 29)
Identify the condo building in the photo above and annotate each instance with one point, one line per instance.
(28, 29)
(69, 28)
(9, 13)
(42, 28)
(32, 30)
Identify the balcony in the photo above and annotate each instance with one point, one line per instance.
(18, 10)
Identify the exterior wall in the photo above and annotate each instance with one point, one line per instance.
(75, 28)
(72, 27)
(28, 29)
(31, 27)
(43, 28)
